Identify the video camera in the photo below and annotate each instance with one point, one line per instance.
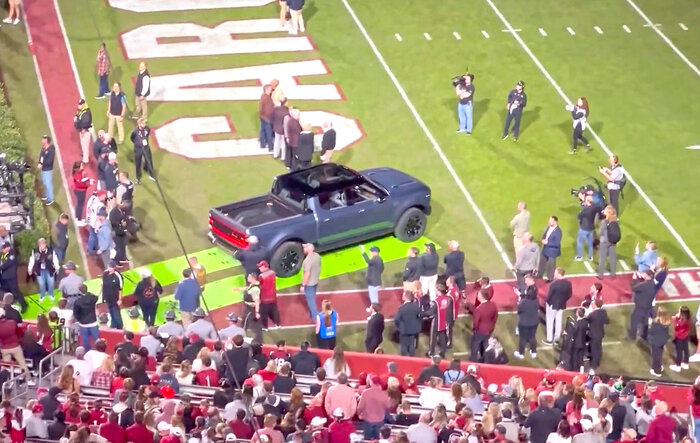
(594, 189)
(459, 79)
(15, 205)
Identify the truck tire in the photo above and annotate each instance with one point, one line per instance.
(287, 259)
(411, 225)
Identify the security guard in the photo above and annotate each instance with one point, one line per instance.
(408, 323)
(142, 150)
(251, 297)
(125, 193)
(112, 284)
(8, 274)
(516, 102)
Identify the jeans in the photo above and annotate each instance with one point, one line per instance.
(92, 241)
(115, 317)
(371, 430)
(373, 292)
(47, 179)
(581, 237)
(86, 333)
(696, 420)
(279, 146)
(310, 294)
(267, 137)
(60, 253)
(45, 282)
(464, 112)
(682, 352)
(104, 86)
(79, 204)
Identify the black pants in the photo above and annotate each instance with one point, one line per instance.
(596, 351)
(13, 287)
(527, 335)
(439, 339)
(289, 160)
(513, 116)
(520, 277)
(141, 154)
(120, 247)
(79, 204)
(325, 343)
(639, 322)
(547, 266)
(407, 344)
(576, 136)
(656, 353)
(250, 323)
(149, 314)
(479, 343)
(682, 352)
(615, 199)
(577, 358)
(269, 311)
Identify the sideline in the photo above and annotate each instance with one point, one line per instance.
(600, 141)
(428, 134)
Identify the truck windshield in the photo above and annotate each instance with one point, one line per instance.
(295, 197)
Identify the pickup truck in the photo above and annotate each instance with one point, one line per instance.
(328, 205)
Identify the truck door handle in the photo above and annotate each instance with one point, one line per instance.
(326, 220)
(361, 211)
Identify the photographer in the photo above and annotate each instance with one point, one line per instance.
(464, 89)
(615, 175)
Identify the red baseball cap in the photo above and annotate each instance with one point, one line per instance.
(37, 408)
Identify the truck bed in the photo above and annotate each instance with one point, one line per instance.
(258, 210)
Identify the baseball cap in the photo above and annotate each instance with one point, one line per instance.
(231, 437)
(471, 369)
(263, 264)
(520, 83)
(70, 265)
(81, 101)
(101, 193)
(37, 408)
(430, 245)
(233, 317)
(167, 391)
(374, 249)
(176, 431)
(163, 426)
(199, 312)
(170, 315)
(102, 212)
(318, 421)
(134, 312)
(338, 413)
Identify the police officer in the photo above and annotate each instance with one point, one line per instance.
(517, 100)
(233, 330)
(171, 327)
(142, 150)
(615, 176)
(125, 193)
(118, 220)
(268, 295)
(408, 323)
(251, 298)
(112, 285)
(442, 311)
(8, 274)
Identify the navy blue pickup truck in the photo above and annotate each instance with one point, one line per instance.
(328, 205)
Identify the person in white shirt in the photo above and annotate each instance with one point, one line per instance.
(34, 424)
(336, 364)
(96, 356)
(431, 395)
(422, 431)
(81, 368)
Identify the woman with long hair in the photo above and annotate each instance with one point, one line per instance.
(44, 332)
(336, 364)
(172, 350)
(296, 402)
(658, 338)
(67, 381)
(660, 272)
(563, 434)
(454, 397)
(102, 377)
(607, 250)
(579, 114)
(326, 325)
(681, 332)
(81, 183)
(184, 375)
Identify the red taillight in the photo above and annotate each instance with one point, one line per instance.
(236, 238)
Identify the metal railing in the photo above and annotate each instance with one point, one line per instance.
(12, 388)
(54, 367)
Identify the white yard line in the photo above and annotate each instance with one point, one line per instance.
(457, 36)
(45, 102)
(683, 27)
(571, 31)
(588, 266)
(624, 265)
(427, 36)
(542, 31)
(668, 41)
(651, 25)
(598, 30)
(430, 137)
(485, 34)
(600, 141)
(511, 30)
(398, 37)
(626, 28)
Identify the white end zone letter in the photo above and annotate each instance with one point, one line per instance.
(183, 5)
(180, 136)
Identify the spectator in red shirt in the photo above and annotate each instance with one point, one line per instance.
(339, 431)
(138, 432)
(662, 426)
(372, 408)
(10, 334)
(72, 409)
(681, 328)
(81, 183)
(207, 376)
(269, 372)
(112, 431)
(240, 426)
(97, 415)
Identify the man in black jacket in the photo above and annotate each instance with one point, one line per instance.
(83, 122)
(586, 226)
(528, 319)
(557, 296)
(375, 328)
(412, 271)
(86, 317)
(408, 322)
(239, 357)
(375, 267)
(579, 340)
(432, 370)
(250, 257)
(643, 296)
(597, 320)
(305, 150)
(8, 274)
(543, 420)
(305, 362)
(50, 402)
(118, 220)
(454, 265)
(10, 312)
(429, 270)
(142, 150)
(112, 284)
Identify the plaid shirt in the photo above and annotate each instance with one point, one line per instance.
(102, 379)
(103, 63)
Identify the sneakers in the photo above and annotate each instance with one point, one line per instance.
(518, 355)
(675, 368)
(655, 374)
(590, 258)
(588, 148)
(7, 20)
(572, 152)
(515, 139)
(578, 258)
(469, 133)
(15, 21)
(49, 203)
(152, 178)
(685, 366)
(100, 97)
(504, 137)
(533, 354)
(461, 130)
(547, 342)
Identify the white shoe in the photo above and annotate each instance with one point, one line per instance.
(675, 368)
(533, 354)
(7, 20)
(518, 355)
(694, 358)
(685, 366)
(651, 371)
(16, 21)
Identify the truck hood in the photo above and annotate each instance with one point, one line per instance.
(391, 178)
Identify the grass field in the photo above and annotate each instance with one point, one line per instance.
(393, 62)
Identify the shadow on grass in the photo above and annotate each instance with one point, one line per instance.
(529, 117)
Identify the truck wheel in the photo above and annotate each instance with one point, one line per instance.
(411, 225)
(287, 258)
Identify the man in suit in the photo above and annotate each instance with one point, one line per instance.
(597, 320)
(558, 294)
(454, 265)
(375, 328)
(643, 295)
(305, 150)
(528, 318)
(579, 339)
(484, 316)
(292, 130)
(408, 322)
(551, 248)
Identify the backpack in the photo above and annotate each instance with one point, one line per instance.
(613, 231)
